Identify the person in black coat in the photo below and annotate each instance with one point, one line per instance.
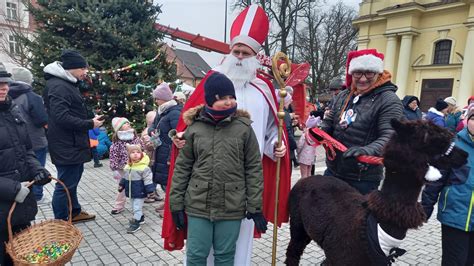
(411, 108)
(68, 130)
(33, 111)
(166, 119)
(19, 167)
(360, 120)
(290, 130)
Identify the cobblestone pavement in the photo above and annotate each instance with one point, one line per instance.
(107, 243)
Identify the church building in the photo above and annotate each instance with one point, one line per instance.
(428, 45)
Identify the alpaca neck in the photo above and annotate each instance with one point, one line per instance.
(396, 205)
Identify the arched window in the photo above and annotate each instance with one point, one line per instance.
(442, 52)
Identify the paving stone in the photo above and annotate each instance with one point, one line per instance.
(107, 243)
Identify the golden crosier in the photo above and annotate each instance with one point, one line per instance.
(280, 73)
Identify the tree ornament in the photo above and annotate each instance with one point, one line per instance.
(103, 83)
(137, 73)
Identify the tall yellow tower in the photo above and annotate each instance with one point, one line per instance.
(428, 45)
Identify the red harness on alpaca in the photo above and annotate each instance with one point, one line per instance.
(318, 136)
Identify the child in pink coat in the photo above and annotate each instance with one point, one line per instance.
(306, 149)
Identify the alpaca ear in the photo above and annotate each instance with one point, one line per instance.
(403, 129)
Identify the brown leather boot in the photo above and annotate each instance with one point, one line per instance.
(83, 217)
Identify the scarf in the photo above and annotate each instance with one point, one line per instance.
(218, 115)
(382, 79)
(5, 105)
(162, 108)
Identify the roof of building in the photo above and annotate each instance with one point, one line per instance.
(193, 62)
(411, 4)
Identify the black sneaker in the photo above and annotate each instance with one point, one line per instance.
(142, 220)
(134, 226)
(97, 165)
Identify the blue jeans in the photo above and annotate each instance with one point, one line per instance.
(137, 207)
(363, 186)
(41, 156)
(70, 175)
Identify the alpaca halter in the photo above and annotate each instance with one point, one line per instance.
(450, 149)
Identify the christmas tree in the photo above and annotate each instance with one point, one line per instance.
(120, 44)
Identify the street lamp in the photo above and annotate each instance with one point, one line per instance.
(225, 22)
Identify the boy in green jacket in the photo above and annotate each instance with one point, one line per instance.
(217, 178)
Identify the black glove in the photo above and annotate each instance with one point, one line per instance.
(260, 222)
(178, 219)
(354, 152)
(42, 178)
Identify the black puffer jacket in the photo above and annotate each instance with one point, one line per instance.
(19, 164)
(68, 120)
(163, 124)
(371, 129)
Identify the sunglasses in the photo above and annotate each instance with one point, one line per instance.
(368, 75)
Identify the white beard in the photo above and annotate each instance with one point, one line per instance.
(239, 71)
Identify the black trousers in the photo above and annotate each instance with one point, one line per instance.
(458, 247)
(5, 259)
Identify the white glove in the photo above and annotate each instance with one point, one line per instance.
(312, 121)
(24, 191)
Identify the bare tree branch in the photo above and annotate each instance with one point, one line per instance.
(324, 42)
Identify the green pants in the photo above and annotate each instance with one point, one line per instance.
(204, 234)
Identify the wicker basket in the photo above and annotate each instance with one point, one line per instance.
(26, 241)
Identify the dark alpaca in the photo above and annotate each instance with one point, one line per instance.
(332, 213)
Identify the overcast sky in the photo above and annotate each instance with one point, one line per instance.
(205, 17)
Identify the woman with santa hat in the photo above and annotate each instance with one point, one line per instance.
(361, 118)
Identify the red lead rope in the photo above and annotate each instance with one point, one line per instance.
(318, 136)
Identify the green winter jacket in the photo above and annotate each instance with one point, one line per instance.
(218, 173)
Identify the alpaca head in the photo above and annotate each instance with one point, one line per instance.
(423, 144)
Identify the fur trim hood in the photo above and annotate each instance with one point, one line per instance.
(190, 115)
(433, 110)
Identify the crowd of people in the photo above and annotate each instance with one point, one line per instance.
(214, 154)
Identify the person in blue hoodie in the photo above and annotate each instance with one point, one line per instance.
(455, 207)
(438, 113)
(33, 111)
(94, 142)
(104, 143)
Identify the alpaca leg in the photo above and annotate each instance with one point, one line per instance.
(298, 242)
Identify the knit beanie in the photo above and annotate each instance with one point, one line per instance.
(163, 92)
(72, 60)
(5, 77)
(217, 86)
(470, 111)
(22, 74)
(118, 122)
(441, 105)
(450, 100)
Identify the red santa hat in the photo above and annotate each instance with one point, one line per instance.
(250, 28)
(363, 60)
